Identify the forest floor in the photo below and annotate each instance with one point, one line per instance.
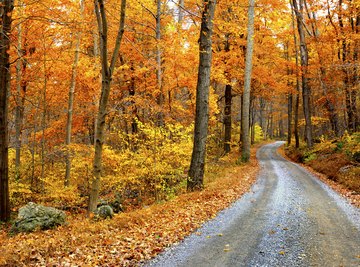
(131, 238)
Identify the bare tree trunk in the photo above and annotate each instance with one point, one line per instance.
(262, 115)
(107, 72)
(5, 12)
(297, 96)
(20, 94)
(290, 100)
(227, 118)
(245, 148)
(355, 76)
(71, 102)
(181, 12)
(160, 98)
(43, 122)
(196, 173)
(306, 90)
(252, 119)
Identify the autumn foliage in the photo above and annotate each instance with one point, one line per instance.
(149, 118)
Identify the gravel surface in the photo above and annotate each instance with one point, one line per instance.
(289, 218)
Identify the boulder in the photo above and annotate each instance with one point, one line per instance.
(33, 216)
(104, 212)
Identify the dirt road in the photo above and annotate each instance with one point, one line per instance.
(288, 219)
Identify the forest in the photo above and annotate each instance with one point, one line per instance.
(136, 102)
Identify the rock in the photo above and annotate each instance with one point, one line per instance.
(116, 206)
(33, 216)
(102, 202)
(104, 212)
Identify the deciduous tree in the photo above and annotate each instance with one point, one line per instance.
(196, 173)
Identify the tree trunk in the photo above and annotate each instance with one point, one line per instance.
(262, 116)
(71, 102)
(196, 172)
(355, 76)
(106, 75)
(297, 96)
(290, 111)
(181, 12)
(245, 149)
(21, 86)
(6, 12)
(306, 90)
(160, 97)
(40, 181)
(290, 100)
(227, 118)
(252, 120)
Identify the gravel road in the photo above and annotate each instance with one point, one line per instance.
(289, 218)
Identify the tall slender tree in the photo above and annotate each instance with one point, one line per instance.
(196, 173)
(6, 8)
(304, 56)
(297, 96)
(71, 101)
(106, 76)
(245, 147)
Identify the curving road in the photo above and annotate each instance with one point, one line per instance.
(288, 219)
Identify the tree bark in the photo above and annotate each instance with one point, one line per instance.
(160, 97)
(263, 117)
(304, 56)
(290, 100)
(245, 148)
(297, 96)
(195, 180)
(355, 76)
(227, 118)
(181, 12)
(21, 87)
(71, 102)
(106, 75)
(5, 11)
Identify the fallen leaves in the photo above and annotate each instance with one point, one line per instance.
(129, 238)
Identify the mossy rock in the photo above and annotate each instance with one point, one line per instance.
(33, 217)
(104, 212)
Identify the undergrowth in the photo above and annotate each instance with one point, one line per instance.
(131, 237)
(337, 158)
